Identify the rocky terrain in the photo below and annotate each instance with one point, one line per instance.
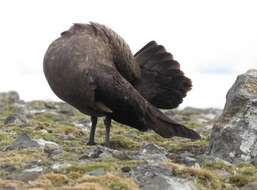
(43, 146)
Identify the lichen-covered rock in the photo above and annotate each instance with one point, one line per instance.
(234, 135)
(151, 153)
(9, 97)
(18, 119)
(155, 177)
(23, 141)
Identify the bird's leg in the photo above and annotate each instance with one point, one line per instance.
(107, 123)
(92, 131)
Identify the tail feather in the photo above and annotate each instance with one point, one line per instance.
(162, 82)
(166, 127)
(150, 44)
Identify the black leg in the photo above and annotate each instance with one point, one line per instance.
(92, 131)
(107, 123)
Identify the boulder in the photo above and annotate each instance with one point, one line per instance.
(22, 141)
(9, 97)
(155, 177)
(234, 135)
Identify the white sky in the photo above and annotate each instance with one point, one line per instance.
(214, 41)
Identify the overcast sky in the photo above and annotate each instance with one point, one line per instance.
(214, 41)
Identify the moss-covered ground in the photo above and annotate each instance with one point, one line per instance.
(56, 122)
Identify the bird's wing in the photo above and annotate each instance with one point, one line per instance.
(162, 82)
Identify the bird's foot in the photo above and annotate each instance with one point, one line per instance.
(91, 143)
(108, 145)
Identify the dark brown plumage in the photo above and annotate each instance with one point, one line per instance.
(93, 69)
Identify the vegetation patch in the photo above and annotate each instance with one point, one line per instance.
(201, 177)
(110, 181)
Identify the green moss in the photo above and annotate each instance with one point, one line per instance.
(202, 178)
(123, 142)
(247, 169)
(195, 147)
(110, 181)
(219, 165)
(192, 125)
(37, 104)
(56, 180)
(241, 180)
(151, 137)
(5, 139)
(80, 169)
(48, 117)
(19, 158)
(7, 110)
(118, 185)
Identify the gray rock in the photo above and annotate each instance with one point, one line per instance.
(121, 155)
(18, 116)
(93, 152)
(96, 152)
(8, 168)
(125, 169)
(250, 186)
(152, 174)
(66, 109)
(25, 176)
(9, 97)
(186, 158)
(58, 166)
(17, 119)
(22, 141)
(52, 149)
(151, 153)
(234, 135)
(67, 136)
(34, 169)
(158, 177)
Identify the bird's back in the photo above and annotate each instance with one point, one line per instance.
(83, 52)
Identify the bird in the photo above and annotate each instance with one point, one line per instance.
(93, 69)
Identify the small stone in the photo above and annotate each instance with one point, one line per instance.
(97, 172)
(52, 149)
(95, 153)
(34, 169)
(186, 158)
(126, 169)
(153, 149)
(58, 166)
(26, 176)
(15, 119)
(8, 168)
(43, 142)
(250, 186)
(121, 155)
(67, 137)
(152, 153)
(83, 156)
(66, 109)
(22, 141)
